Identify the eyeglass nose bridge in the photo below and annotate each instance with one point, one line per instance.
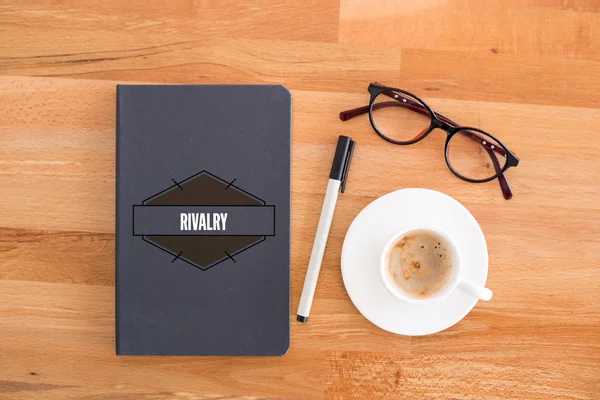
(449, 129)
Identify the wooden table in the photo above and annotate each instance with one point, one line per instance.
(527, 71)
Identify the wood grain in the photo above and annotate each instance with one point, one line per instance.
(527, 71)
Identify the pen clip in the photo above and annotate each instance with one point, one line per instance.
(347, 165)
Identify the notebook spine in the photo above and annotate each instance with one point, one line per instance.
(117, 219)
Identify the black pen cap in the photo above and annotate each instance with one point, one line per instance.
(339, 161)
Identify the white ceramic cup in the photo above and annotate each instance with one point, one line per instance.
(455, 281)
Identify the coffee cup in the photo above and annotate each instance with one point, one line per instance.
(422, 265)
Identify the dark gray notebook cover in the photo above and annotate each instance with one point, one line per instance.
(203, 220)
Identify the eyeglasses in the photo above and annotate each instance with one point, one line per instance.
(402, 118)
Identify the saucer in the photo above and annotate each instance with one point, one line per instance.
(364, 242)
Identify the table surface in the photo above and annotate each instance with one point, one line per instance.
(527, 71)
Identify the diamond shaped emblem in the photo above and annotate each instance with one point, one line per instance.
(203, 189)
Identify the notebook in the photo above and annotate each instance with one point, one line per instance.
(203, 220)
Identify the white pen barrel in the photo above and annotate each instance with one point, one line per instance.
(316, 257)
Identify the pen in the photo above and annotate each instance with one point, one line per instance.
(337, 180)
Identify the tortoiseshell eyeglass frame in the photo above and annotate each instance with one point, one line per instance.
(402, 98)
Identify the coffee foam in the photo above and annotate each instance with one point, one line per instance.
(420, 263)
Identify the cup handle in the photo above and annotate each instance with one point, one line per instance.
(474, 290)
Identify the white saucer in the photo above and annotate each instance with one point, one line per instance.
(376, 223)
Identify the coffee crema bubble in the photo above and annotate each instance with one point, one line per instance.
(420, 263)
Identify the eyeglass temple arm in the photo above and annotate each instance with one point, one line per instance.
(401, 101)
(355, 112)
(504, 186)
